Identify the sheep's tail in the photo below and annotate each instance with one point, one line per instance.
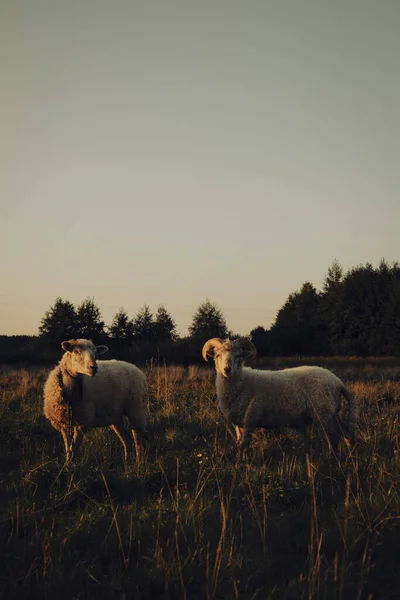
(353, 412)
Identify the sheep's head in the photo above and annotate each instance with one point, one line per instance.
(228, 355)
(82, 355)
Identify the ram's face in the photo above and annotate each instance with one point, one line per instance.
(228, 360)
(82, 356)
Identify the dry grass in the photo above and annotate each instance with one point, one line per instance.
(188, 521)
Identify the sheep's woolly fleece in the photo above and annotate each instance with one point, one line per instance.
(251, 398)
(115, 389)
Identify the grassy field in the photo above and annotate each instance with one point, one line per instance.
(188, 521)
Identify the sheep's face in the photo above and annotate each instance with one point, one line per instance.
(228, 355)
(82, 356)
(228, 359)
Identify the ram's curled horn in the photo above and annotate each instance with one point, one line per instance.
(246, 347)
(210, 346)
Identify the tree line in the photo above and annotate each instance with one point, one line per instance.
(64, 321)
(355, 313)
(144, 337)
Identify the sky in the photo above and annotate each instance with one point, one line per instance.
(165, 152)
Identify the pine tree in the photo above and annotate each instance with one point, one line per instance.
(208, 322)
(164, 325)
(121, 328)
(334, 277)
(298, 328)
(260, 338)
(366, 315)
(143, 326)
(59, 323)
(330, 301)
(89, 322)
(300, 308)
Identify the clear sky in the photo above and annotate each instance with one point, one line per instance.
(166, 151)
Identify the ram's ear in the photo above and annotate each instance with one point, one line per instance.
(245, 347)
(68, 346)
(245, 354)
(101, 350)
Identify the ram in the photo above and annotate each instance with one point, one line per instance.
(81, 393)
(296, 398)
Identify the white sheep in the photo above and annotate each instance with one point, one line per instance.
(250, 398)
(81, 393)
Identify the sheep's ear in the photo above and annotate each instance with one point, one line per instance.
(245, 347)
(67, 346)
(101, 349)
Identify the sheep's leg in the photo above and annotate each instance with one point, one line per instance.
(67, 445)
(239, 433)
(333, 432)
(138, 431)
(306, 436)
(245, 444)
(249, 425)
(137, 438)
(71, 446)
(329, 428)
(76, 441)
(120, 430)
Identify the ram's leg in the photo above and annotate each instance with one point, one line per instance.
(334, 432)
(239, 433)
(245, 444)
(250, 423)
(306, 436)
(137, 438)
(329, 428)
(139, 430)
(126, 440)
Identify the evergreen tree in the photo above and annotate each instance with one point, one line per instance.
(208, 322)
(367, 314)
(164, 326)
(391, 315)
(334, 277)
(89, 322)
(298, 328)
(59, 323)
(144, 326)
(330, 300)
(121, 328)
(300, 308)
(356, 313)
(260, 338)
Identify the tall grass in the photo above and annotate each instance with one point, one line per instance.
(188, 521)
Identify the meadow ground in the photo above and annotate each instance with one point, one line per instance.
(188, 521)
